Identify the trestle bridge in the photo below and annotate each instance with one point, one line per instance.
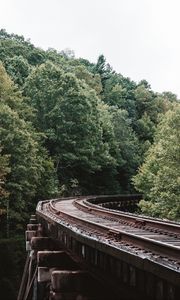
(95, 248)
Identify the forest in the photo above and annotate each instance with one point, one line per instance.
(72, 127)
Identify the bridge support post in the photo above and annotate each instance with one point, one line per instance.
(47, 263)
(67, 285)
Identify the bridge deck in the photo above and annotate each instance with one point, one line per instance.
(121, 249)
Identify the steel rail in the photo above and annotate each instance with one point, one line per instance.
(159, 247)
(143, 221)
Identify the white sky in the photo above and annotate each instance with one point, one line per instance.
(139, 38)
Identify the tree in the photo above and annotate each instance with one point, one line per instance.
(159, 177)
(127, 148)
(18, 68)
(11, 96)
(93, 80)
(12, 45)
(4, 170)
(144, 97)
(103, 69)
(27, 158)
(67, 113)
(119, 92)
(149, 108)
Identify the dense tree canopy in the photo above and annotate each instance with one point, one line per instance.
(4, 170)
(67, 111)
(21, 145)
(69, 126)
(159, 176)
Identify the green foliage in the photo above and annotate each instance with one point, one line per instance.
(93, 81)
(68, 114)
(23, 146)
(149, 107)
(144, 97)
(127, 147)
(119, 92)
(145, 128)
(4, 170)
(159, 176)
(18, 68)
(12, 46)
(142, 104)
(80, 126)
(103, 69)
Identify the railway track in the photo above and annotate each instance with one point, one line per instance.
(95, 240)
(149, 238)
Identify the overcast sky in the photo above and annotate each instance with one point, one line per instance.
(139, 38)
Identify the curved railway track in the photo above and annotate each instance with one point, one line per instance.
(127, 256)
(150, 238)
